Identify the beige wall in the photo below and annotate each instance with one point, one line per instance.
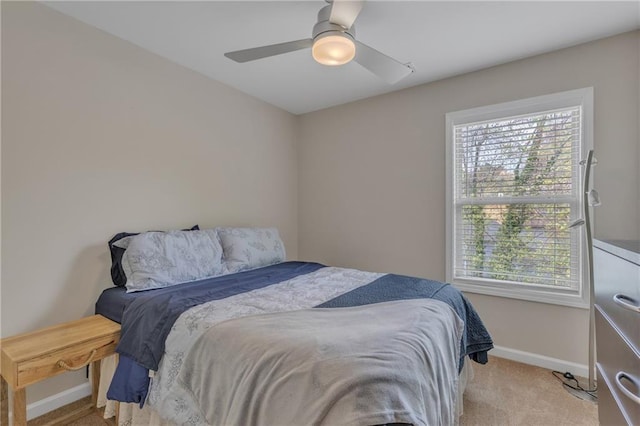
(100, 136)
(372, 177)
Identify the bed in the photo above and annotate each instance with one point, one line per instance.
(290, 343)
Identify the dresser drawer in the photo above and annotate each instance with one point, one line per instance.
(48, 365)
(617, 290)
(609, 413)
(616, 356)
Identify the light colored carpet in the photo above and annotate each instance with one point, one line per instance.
(505, 392)
(502, 392)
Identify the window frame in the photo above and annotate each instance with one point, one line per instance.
(582, 98)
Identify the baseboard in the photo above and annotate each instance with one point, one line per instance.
(540, 360)
(60, 399)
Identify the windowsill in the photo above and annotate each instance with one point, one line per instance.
(529, 295)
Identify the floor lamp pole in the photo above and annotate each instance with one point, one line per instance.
(592, 320)
(589, 198)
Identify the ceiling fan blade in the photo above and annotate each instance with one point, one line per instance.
(345, 12)
(247, 55)
(380, 64)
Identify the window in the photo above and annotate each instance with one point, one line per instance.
(514, 185)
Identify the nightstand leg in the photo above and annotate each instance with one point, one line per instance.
(4, 402)
(95, 382)
(20, 407)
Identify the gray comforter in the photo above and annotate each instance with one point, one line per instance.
(394, 362)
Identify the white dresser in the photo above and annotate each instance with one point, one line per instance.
(617, 310)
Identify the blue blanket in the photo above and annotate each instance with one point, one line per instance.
(147, 320)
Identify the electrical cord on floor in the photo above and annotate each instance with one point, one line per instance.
(567, 377)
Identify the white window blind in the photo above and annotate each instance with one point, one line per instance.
(515, 188)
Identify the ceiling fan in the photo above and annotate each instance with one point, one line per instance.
(333, 43)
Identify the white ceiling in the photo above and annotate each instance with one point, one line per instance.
(440, 39)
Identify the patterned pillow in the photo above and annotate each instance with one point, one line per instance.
(162, 259)
(250, 248)
(117, 245)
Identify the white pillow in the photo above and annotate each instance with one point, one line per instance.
(162, 259)
(250, 248)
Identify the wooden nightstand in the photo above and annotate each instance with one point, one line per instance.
(31, 357)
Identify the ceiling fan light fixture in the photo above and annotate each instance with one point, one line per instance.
(333, 48)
